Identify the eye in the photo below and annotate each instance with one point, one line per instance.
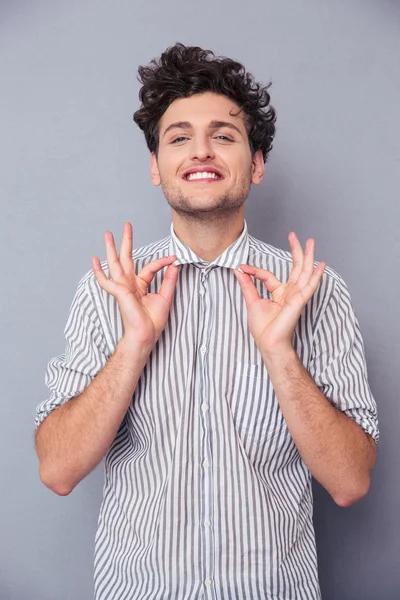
(224, 138)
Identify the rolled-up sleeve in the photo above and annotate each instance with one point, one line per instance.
(68, 374)
(338, 364)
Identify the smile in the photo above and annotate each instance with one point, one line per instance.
(202, 176)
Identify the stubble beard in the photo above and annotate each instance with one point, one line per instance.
(203, 206)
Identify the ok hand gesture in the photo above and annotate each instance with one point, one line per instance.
(272, 322)
(144, 315)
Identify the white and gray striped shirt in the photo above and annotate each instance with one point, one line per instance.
(205, 493)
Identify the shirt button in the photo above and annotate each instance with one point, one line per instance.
(207, 523)
(204, 406)
(206, 464)
(208, 582)
(203, 349)
(202, 292)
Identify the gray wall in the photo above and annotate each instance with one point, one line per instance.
(73, 164)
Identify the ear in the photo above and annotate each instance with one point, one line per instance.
(155, 175)
(257, 167)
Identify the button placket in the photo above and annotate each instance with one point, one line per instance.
(204, 416)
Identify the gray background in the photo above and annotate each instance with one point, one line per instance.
(73, 164)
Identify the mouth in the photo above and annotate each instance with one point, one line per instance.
(202, 179)
(202, 176)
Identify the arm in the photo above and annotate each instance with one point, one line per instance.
(72, 439)
(336, 450)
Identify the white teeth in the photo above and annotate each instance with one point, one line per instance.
(204, 175)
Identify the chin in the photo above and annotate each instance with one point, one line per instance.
(199, 205)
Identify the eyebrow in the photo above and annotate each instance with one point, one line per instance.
(212, 125)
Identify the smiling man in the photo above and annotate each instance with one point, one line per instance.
(214, 372)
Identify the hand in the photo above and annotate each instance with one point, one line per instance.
(144, 315)
(272, 322)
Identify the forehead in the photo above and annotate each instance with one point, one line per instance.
(200, 109)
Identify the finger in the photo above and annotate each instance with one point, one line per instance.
(102, 279)
(297, 256)
(114, 265)
(169, 283)
(311, 287)
(308, 263)
(249, 290)
(125, 255)
(148, 271)
(271, 282)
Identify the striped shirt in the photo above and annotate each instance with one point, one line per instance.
(205, 493)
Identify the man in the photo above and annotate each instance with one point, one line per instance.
(214, 372)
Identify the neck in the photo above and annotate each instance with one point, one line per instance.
(208, 238)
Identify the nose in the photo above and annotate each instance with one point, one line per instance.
(201, 148)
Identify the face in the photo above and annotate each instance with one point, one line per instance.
(204, 161)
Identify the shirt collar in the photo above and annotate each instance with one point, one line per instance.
(236, 254)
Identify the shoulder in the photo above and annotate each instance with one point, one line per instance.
(140, 256)
(280, 261)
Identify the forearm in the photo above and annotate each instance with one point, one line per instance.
(335, 449)
(74, 438)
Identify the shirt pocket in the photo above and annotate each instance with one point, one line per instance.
(255, 408)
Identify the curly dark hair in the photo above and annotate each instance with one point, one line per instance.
(182, 71)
